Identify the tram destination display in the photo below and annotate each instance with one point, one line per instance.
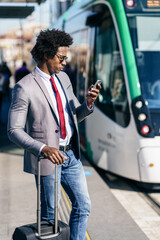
(139, 6)
(151, 4)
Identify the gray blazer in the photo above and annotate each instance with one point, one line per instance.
(32, 121)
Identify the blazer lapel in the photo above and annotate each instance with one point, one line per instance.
(65, 84)
(44, 90)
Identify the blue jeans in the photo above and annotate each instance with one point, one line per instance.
(71, 176)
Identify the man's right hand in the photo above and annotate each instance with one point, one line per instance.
(53, 154)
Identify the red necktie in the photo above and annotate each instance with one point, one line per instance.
(60, 109)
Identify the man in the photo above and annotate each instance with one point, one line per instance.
(40, 125)
(2, 83)
(21, 72)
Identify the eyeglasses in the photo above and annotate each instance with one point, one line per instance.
(61, 58)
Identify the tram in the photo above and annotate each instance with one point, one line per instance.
(118, 42)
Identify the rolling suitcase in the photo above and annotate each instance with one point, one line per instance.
(44, 230)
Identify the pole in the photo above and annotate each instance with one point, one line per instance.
(56, 199)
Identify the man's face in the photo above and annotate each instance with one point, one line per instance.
(56, 64)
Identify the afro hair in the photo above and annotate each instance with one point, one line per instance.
(48, 42)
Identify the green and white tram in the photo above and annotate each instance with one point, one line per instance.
(118, 42)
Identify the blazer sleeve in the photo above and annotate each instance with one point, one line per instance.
(17, 120)
(82, 110)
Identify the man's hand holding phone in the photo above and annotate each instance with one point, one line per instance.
(93, 92)
(96, 84)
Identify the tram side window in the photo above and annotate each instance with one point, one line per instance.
(112, 99)
(72, 62)
(83, 49)
(76, 65)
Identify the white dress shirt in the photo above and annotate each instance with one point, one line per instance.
(68, 120)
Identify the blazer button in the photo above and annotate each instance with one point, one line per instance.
(56, 131)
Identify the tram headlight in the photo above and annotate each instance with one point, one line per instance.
(145, 129)
(139, 104)
(142, 117)
(130, 3)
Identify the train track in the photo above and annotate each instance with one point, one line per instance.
(151, 197)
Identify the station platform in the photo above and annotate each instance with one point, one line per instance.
(108, 219)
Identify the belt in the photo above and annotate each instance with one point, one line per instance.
(65, 148)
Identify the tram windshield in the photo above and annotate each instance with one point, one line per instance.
(145, 33)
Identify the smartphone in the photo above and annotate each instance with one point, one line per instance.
(98, 81)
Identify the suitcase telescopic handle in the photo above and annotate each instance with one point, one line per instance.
(39, 198)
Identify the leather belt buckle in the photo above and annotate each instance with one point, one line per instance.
(65, 148)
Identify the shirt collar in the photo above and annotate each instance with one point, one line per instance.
(44, 75)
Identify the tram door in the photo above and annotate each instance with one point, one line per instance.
(112, 105)
(78, 63)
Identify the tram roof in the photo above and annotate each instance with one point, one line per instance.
(15, 12)
(17, 8)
